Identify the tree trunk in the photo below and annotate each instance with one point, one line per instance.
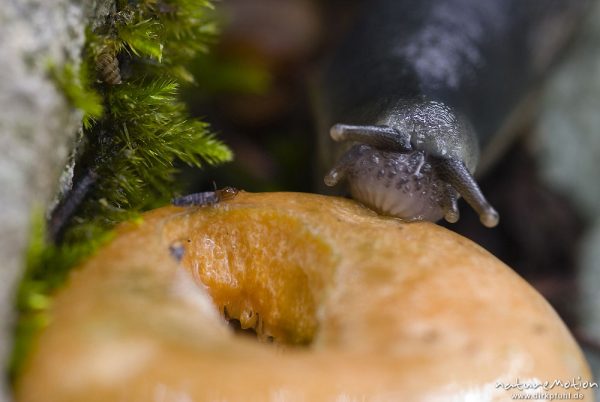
(37, 126)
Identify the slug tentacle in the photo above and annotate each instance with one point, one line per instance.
(452, 215)
(377, 136)
(456, 173)
(343, 166)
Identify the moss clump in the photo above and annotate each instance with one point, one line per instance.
(47, 268)
(133, 133)
(145, 127)
(78, 91)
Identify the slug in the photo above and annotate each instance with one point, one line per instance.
(418, 89)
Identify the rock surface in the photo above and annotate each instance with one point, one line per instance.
(37, 125)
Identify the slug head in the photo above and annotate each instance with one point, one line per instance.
(394, 178)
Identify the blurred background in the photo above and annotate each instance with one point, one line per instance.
(255, 90)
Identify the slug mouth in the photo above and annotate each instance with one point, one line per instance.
(400, 184)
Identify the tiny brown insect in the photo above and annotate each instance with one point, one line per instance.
(107, 66)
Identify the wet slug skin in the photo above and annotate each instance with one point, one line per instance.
(416, 89)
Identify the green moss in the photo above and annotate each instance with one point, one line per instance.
(78, 91)
(146, 127)
(47, 268)
(134, 133)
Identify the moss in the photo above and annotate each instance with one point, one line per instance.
(47, 268)
(77, 90)
(146, 127)
(134, 133)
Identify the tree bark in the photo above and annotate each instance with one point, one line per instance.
(37, 127)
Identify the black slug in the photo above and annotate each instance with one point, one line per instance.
(418, 88)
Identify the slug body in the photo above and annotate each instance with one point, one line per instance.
(417, 88)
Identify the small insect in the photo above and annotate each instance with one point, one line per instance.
(205, 198)
(107, 66)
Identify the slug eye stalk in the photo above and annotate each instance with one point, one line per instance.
(383, 137)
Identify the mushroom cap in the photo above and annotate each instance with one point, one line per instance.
(359, 306)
